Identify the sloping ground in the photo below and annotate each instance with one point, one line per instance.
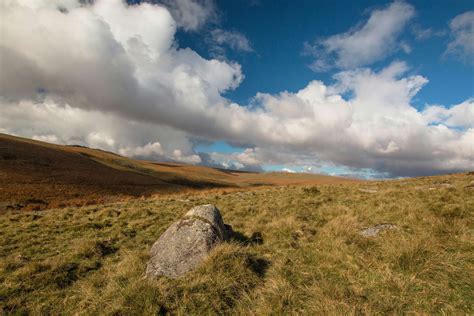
(37, 175)
(298, 250)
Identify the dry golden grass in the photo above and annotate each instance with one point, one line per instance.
(297, 251)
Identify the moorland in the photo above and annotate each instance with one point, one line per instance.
(297, 247)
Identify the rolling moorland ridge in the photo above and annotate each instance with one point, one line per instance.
(77, 225)
(38, 175)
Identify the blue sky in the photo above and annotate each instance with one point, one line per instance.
(360, 88)
(278, 30)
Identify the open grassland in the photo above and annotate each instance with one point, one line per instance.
(36, 176)
(297, 251)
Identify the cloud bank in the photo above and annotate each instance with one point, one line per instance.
(111, 76)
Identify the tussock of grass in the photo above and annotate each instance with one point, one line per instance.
(296, 250)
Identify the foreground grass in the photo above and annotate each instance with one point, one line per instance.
(297, 251)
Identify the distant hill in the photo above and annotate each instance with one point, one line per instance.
(39, 175)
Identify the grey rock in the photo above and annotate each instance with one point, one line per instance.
(187, 242)
(375, 230)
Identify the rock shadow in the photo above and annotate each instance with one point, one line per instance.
(255, 239)
(258, 265)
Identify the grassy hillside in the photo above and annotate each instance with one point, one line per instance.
(298, 251)
(36, 175)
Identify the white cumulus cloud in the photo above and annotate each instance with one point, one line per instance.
(191, 15)
(460, 115)
(462, 32)
(364, 44)
(232, 39)
(149, 150)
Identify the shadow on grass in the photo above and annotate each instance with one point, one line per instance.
(255, 239)
(257, 265)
